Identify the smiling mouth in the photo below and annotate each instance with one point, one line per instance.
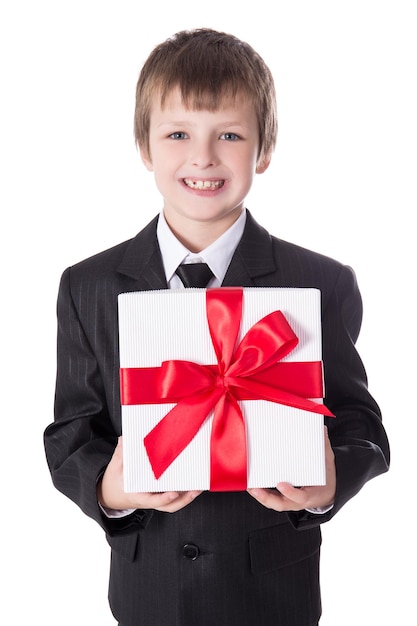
(209, 185)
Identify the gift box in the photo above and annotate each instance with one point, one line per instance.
(221, 389)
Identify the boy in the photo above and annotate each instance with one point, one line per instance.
(205, 124)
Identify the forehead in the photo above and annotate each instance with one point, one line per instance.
(239, 106)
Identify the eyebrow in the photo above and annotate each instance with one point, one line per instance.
(225, 124)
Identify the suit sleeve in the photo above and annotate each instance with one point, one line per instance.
(357, 435)
(81, 440)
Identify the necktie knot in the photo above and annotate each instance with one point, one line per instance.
(194, 274)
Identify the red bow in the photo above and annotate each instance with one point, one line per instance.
(251, 371)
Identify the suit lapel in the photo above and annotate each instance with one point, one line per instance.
(142, 260)
(253, 259)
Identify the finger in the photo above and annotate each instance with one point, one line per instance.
(157, 500)
(183, 499)
(276, 500)
(291, 493)
(269, 499)
(168, 501)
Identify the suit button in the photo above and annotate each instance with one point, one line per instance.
(190, 551)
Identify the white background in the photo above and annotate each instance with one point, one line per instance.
(343, 182)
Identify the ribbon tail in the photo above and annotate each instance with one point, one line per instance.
(228, 454)
(175, 431)
(280, 396)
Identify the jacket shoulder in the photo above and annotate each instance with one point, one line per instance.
(106, 263)
(101, 262)
(261, 248)
(290, 251)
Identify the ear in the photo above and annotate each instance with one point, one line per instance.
(146, 159)
(263, 164)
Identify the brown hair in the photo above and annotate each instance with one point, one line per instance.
(208, 67)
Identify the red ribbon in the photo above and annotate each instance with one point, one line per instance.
(251, 371)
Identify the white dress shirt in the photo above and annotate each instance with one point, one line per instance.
(217, 255)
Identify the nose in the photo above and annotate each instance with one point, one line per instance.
(203, 154)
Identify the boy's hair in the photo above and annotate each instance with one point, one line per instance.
(208, 67)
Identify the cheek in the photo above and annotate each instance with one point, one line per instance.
(168, 158)
(165, 180)
(247, 160)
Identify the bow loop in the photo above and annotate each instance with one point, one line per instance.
(268, 341)
(177, 379)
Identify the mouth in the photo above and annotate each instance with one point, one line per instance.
(205, 185)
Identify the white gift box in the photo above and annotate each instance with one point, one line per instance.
(283, 443)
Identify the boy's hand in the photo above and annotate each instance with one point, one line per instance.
(289, 498)
(111, 495)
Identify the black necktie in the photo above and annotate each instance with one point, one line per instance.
(194, 274)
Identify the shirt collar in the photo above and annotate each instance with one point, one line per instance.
(217, 255)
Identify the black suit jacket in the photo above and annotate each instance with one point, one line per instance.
(224, 559)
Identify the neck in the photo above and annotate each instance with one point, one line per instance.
(198, 235)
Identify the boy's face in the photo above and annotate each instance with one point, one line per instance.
(204, 162)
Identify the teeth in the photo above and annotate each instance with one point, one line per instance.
(203, 184)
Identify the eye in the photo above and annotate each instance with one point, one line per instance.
(178, 135)
(229, 136)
